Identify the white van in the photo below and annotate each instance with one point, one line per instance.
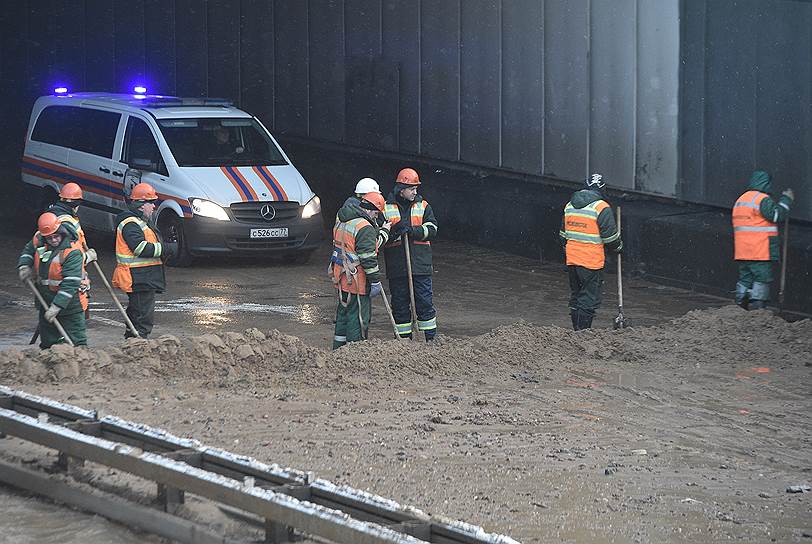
(224, 183)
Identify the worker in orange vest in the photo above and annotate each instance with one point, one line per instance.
(354, 267)
(755, 238)
(66, 210)
(139, 256)
(54, 261)
(587, 227)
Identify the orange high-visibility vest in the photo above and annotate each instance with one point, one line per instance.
(584, 242)
(83, 296)
(126, 259)
(392, 214)
(55, 264)
(751, 232)
(348, 274)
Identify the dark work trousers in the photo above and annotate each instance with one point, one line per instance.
(141, 311)
(585, 295)
(402, 307)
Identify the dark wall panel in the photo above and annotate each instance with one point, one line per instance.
(100, 46)
(67, 41)
(327, 71)
(15, 102)
(40, 52)
(130, 44)
(363, 28)
(401, 45)
(522, 85)
(292, 58)
(440, 79)
(692, 105)
(566, 80)
(257, 59)
(159, 34)
(480, 82)
(223, 26)
(192, 47)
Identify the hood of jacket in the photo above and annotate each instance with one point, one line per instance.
(352, 210)
(585, 197)
(760, 181)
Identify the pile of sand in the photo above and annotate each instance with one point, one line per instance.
(724, 335)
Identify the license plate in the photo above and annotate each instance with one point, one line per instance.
(279, 232)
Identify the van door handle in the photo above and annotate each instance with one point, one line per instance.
(103, 169)
(116, 173)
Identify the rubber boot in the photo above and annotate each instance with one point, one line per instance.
(574, 317)
(742, 295)
(430, 334)
(758, 304)
(585, 319)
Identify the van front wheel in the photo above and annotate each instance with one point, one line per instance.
(171, 228)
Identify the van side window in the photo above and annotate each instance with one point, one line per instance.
(82, 129)
(140, 149)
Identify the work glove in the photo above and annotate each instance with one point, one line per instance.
(619, 249)
(401, 228)
(387, 226)
(90, 255)
(170, 249)
(51, 312)
(25, 273)
(789, 193)
(375, 289)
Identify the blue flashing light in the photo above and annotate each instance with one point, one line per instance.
(60, 90)
(140, 89)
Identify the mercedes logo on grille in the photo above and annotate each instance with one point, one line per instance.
(267, 212)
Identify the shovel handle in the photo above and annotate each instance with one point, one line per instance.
(56, 322)
(389, 313)
(411, 284)
(619, 269)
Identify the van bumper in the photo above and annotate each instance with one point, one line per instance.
(209, 236)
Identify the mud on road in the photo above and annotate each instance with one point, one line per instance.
(690, 430)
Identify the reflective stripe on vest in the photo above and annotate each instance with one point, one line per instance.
(55, 278)
(416, 211)
(582, 232)
(124, 255)
(751, 231)
(347, 272)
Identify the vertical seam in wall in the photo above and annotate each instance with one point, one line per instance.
(500, 7)
(174, 10)
(588, 83)
(703, 127)
(239, 54)
(459, 79)
(344, 61)
(307, 62)
(419, 76)
(543, 71)
(635, 90)
(206, 37)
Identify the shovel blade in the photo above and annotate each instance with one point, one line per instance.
(620, 322)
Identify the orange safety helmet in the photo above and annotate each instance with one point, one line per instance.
(71, 191)
(408, 176)
(143, 191)
(376, 199)
(48, 223)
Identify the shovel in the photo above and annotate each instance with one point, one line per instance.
(783, 266)
(115, 299)
(620, 320)
(411, 285)
(56, 322)
(389, 313)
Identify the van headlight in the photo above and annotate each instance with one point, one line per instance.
(311, 208)
(206, 208)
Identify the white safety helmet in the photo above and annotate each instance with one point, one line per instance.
(595, 181)
(367, 185)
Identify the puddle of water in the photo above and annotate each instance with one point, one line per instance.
(622, 379)
(27, 520)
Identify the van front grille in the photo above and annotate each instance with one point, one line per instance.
(251, 212)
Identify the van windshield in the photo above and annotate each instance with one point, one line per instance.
(220, 142)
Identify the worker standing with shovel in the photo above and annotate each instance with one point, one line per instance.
(54, 260)
(588, 226)
(409, 258)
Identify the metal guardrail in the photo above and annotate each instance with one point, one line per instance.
(287, 499)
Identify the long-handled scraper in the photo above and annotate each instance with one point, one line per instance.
(620, 320)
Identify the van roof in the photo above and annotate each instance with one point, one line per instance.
(160, 107)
